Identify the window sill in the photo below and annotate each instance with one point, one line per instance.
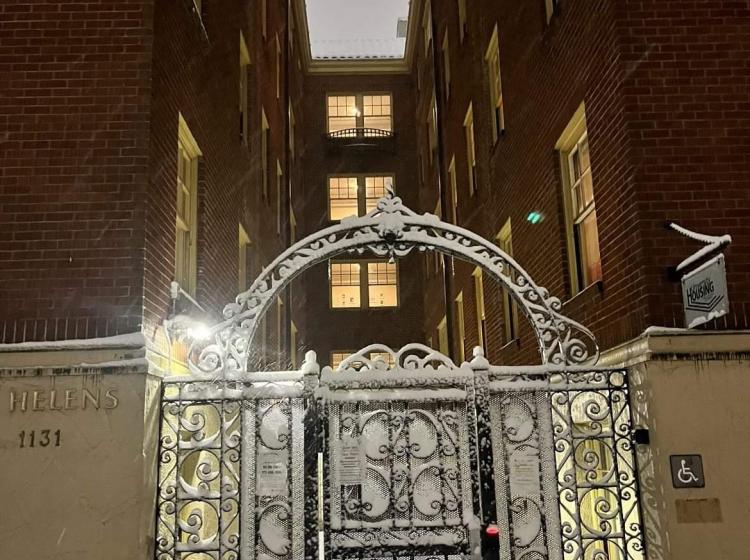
(597, 287)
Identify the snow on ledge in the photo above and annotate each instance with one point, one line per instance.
(131, 340)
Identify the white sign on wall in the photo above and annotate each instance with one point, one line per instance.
(350, 462)
(704, 293)
(271, 473)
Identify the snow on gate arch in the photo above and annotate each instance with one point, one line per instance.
(391, 230)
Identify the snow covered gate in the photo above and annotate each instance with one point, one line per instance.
(397, 453)
(417, 460)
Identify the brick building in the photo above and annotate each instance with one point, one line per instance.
(652, 115)
(145, 143)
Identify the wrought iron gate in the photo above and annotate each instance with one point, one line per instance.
(231, 468)
(419, 455)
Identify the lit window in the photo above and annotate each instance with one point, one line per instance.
(279, 326)
(510, 308)
(461, 327)
(462, 23)
(186, 208)
(492, 60)
(438, 261)
(377, 112)
(293, 335)
(244, 94)
(446, 67)
(427, 27)
(242, 262)
(585, 229)
(345, 285)
(481, 314)
(367, 114)
(343, 197)
(348, 279)
(550, 7)
(442, 332)
(292, 225)
(384, 357)
(471, 154)
(265, 134)
(432, 127)
(356, 195)
(375, 189)
(342, 112)
(338, 357)
(582, 228)
(382, 284)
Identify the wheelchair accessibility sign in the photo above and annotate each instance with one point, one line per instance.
(687, 471)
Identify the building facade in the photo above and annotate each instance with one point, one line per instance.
(157, 156)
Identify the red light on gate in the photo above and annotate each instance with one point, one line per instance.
(492, 531)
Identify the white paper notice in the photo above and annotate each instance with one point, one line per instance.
(271, 474)
(350, 464)
(524, 472)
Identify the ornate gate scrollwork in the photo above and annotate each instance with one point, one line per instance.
(391, 230)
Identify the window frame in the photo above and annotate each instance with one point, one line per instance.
(188, 225)
(453, 186)
(359, 118)
(461, 327)
(569, 143)
(244, 93)
(463, 21)
(494, 75)
(364, 285)
(550, 8)
(361, 190)
(265, 152)
(445, 51)
(244, 245)
(480, 308)
(427, 27)
(471, 150)
(442, 334)
(504, 240)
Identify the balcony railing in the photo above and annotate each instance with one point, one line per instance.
(361, 138)
(361, 132)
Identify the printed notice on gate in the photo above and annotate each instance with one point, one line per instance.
(271, 473)
(350, 464)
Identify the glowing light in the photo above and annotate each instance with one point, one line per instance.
(199, 331)
(492, 531)
(534, 217)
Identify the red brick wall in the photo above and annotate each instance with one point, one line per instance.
(74, 104)
(665, 87)
(196, 73)
(90, 102)
(687, 95)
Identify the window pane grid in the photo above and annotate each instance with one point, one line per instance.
(345, 274)
(343, 195)
(381, 282)
(381, 274)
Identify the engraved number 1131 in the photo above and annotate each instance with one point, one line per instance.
(29, 439)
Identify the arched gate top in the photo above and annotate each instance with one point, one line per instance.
(391, 230)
